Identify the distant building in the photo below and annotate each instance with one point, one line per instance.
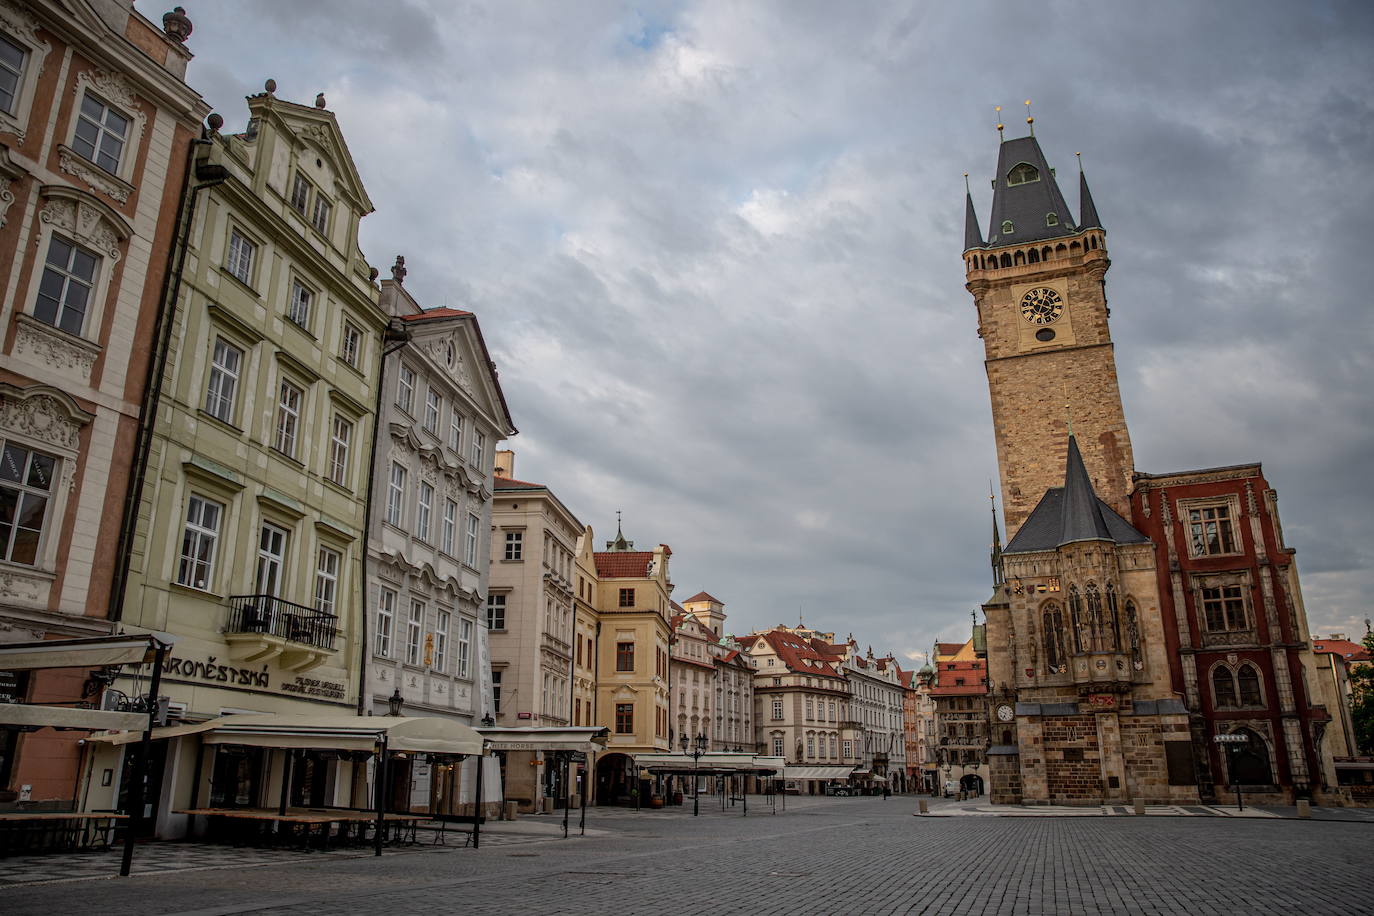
(633, 590)
(957, 687)
(723, 707)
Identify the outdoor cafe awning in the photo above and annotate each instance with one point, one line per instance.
(415, 734)
(817, 772)
(588, 740)
(68, 717)
(723, 762)
(92, 652)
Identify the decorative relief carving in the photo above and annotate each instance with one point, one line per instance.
(15, 586)
(43, 418)
(77, 166)
(112, 87)
(84, 223)
(6, 198)
(317, 133)
(19, 24)
(46, 344)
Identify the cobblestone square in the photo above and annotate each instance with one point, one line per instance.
(820, 856)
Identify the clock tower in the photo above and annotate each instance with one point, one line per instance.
(1038, 282)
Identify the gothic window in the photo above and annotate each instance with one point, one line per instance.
(1248, 680)
(1023, 173)
(1223, 688)
(1223, 608)
(1113, 618)
(1053, 629)
(1210, 529)
(1133, 636)
(1081, 639)
(1097, 625)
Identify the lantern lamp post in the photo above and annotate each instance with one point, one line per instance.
(695, 747)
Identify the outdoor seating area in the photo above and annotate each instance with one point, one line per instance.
(26, 832)
(306, 829)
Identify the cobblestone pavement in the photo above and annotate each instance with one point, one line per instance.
(823, 856)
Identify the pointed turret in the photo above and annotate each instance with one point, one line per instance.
(1027, 205)
(997, 576)
(973, 235)
(1087, 210)
(1082, 518)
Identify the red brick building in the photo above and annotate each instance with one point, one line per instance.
(1236, 628)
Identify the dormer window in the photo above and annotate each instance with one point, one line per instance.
(1022, 173)
(1051, 219)
(1007, 227)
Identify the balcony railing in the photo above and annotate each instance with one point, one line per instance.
(273, 616)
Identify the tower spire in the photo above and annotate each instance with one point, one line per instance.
(1087, 210)
(998, 577)
(973, 235)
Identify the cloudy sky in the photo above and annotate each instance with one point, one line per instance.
(715, 248)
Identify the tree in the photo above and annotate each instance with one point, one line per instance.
(1362, 699)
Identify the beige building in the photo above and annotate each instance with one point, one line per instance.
(442, 413)
(632, 592)
(801, 706)
(95, 124)
(251, 531)
(875, 717)
(531, 624)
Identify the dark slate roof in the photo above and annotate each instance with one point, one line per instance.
(1087, 218)
(1072, 513)
(1026, 205)
(973, 236)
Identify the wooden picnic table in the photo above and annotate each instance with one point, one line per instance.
(404, 824)
(34, 831)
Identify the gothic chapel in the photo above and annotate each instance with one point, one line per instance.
(1126, 605)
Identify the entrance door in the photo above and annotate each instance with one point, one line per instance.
(309, 780)
(152, 787)
(236, 776)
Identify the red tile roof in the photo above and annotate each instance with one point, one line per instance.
(623, 564)
(948, 648)
(702, 596)
(438, 313)
(510, 483)
(798, 654)
(1350, 651)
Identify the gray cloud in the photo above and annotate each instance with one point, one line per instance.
(715, 250)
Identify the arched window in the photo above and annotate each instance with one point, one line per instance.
(1051, 219)
(1081, 639)
(1113, 618)
(1097, 626)
(1033, 256)
(1248, 679)
(1006, 258)
(1008, 228)
(1019, 257)
(1053, 626)
(1223, 688)
(1023, 173)
(1133, 637)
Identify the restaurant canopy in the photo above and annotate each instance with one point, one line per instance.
(91, 652)
(415, 734)
(723, 762)
(586, 739)
(819, 772)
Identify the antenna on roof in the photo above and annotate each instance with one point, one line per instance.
(1000, 125)
(1029, 119)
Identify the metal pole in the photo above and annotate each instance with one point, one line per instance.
(287, 765)
(1240, 805)
(477, 807)
(696, 787)
(586, 773)
(379, 832)
(195, 786)
(744, 781)
(567, 793)
(141, 765)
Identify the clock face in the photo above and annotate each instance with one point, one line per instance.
(1041, 305)
(1005, 713)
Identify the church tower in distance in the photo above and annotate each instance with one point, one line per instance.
(1038, 282)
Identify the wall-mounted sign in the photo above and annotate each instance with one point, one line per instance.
(314, 687)
(208, 670)
(524, 715)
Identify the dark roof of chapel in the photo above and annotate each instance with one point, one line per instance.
(1072, 513)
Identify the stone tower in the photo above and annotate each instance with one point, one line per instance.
(1038, 284)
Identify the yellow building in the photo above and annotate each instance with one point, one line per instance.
(251, 531)
(631, 595)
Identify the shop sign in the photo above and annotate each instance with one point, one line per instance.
(12, 685)
(314, 687)
(209, 671)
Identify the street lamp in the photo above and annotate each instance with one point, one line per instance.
(395, 702)
(695, 748)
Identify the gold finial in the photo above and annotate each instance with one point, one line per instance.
(1080, 162)
(1000, 125)
(1029, 119)
(967, 190)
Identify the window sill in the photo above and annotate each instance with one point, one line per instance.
(55, 347)
(290, 459)
(293, 323)
(224, 424)
(97, 176)
(202, 593)
(342, 488)
(240, 283)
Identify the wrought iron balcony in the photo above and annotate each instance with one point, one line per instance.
(263, 627)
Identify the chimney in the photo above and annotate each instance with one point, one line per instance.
(505, 464)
